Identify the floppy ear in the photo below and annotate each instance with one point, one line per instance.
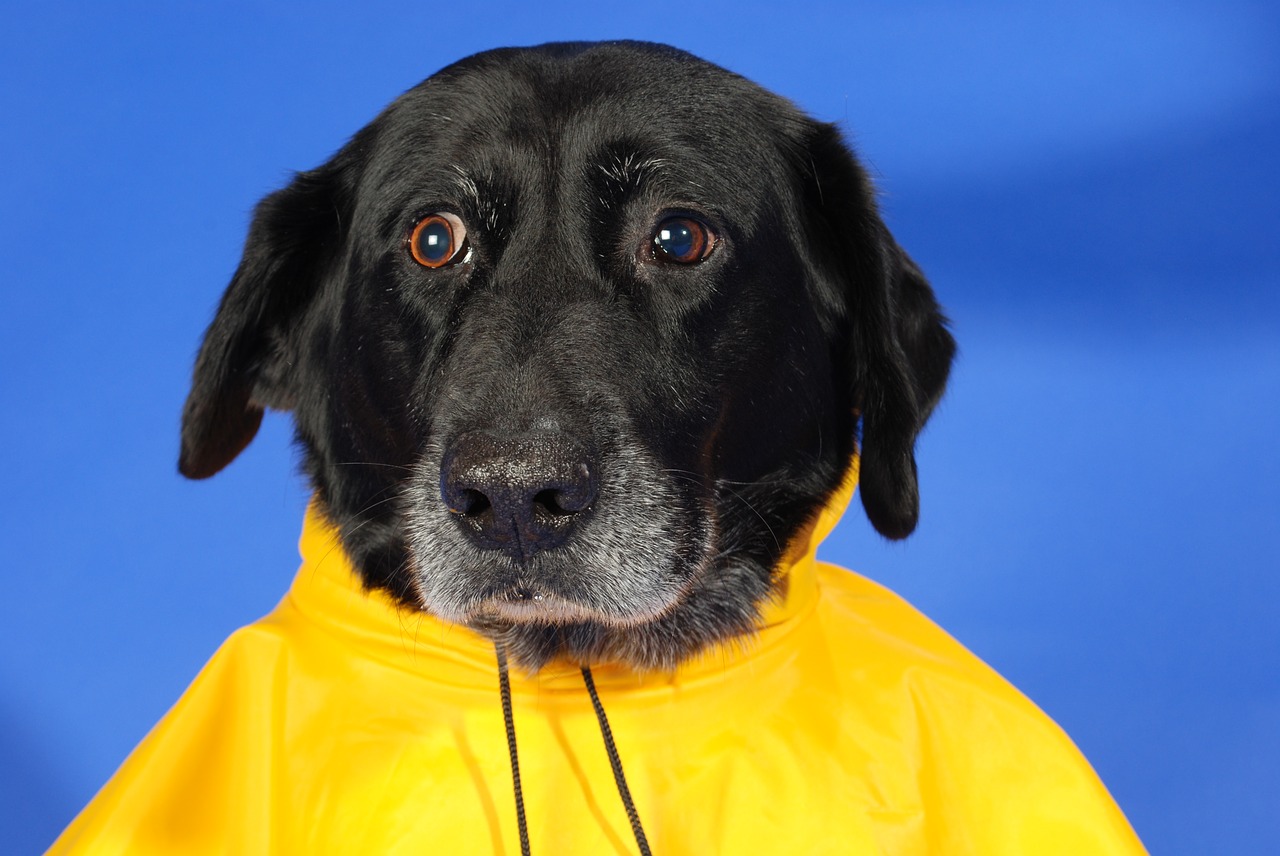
(242, 366)
(899, 347)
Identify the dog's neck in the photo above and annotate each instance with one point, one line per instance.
(330, 594)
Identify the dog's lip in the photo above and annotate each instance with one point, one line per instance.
(533, 606)
(540, 607)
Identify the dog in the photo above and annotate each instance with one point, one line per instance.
(558, 426)
(585, 346)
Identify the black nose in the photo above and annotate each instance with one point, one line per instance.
(522, 494)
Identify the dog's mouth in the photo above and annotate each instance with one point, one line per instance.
(533, 605)
(547, 599)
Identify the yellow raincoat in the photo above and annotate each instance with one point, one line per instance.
(850, 725)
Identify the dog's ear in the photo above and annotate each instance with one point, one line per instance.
(243, 365)
(898, 345)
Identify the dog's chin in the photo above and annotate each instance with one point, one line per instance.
(723, 603)
(538, 628)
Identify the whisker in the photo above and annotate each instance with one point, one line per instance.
(753, 510)
(767, 481)
(372, 464)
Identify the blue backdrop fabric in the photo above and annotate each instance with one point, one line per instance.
(1091, 187)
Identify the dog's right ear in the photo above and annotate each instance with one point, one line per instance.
(243, 367)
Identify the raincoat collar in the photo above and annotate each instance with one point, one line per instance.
(328, 591)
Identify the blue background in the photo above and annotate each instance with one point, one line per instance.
(1092, 188)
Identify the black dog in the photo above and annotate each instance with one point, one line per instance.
(575, 339)
(581, 342)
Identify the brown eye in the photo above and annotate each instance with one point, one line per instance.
(682, 241)
(438, 240)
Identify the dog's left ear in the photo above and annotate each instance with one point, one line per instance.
(899, 349)
(245, 362)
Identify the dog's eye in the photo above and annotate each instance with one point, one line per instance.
(438, 239)
(682, 240)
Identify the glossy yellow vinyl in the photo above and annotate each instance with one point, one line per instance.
(851, 724)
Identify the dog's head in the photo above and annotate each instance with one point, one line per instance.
(576, 338)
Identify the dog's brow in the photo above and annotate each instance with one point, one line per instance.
(631, 169)
(484, 203)
(466, 185)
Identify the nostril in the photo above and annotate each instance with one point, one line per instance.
(548, 502)
(571, 494)
(557, 503)
(464, 501)
(474, 504)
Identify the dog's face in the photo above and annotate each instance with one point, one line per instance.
(576, 338)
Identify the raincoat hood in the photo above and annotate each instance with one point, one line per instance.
(344, 723)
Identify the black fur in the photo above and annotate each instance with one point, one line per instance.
(719, 402)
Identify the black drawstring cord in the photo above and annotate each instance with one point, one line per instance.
(504, 684)
(619, 778)
(616, 763)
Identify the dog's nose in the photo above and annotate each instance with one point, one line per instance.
(520, 494)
